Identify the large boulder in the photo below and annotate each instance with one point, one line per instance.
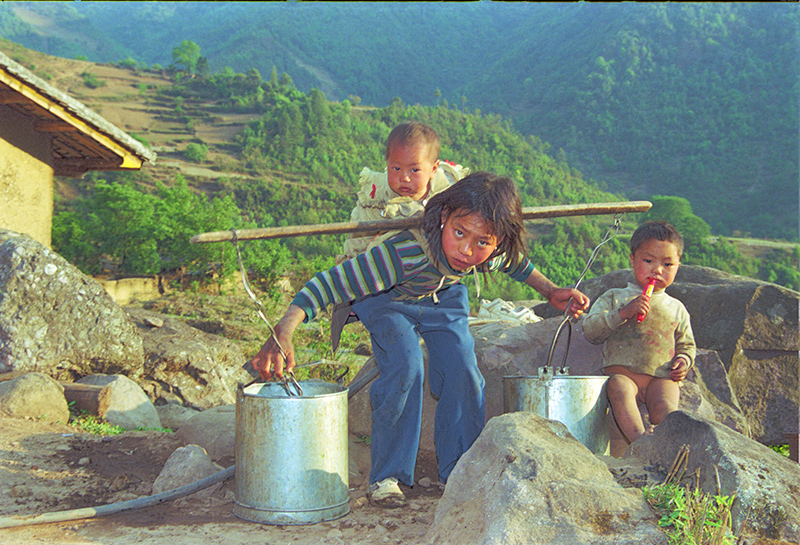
(56, 320)
(34, 395)
(753, 326)
(527, 480)
(186, 365)
(725, 462)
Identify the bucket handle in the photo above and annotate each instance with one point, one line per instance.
(289, 380)
(611, 233)
(563, 370)
(337, 379)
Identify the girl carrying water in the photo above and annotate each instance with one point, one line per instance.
(409, 286)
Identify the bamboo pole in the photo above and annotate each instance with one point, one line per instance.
(534, 212)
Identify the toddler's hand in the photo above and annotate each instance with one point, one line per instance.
(680, 368)
(640, 305)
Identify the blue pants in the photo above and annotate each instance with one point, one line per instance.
(396, 395)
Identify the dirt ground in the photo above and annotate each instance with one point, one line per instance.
(45, 468)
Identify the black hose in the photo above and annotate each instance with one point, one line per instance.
(90, 512)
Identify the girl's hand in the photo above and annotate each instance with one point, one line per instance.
(640, 305)
(558, 297)
(577, 301)
(269, 361)
(680, 368)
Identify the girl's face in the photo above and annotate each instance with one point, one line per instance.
(467, 240)
(656, 259)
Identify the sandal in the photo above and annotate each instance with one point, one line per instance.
(387, 494)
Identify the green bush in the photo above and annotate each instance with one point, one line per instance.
(196, 152)
(123, 228)
(92, 81)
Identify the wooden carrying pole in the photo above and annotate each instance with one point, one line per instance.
(530, 213)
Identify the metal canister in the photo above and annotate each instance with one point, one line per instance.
(291, 453)
(578, 402)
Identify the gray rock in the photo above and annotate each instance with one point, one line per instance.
(34, 395)
(187, 465)
(213, 429)
(56, 320)
(129, 407)
(766, 484)
(708, 393)
(527, 480)
(173, 415)
(186, 365)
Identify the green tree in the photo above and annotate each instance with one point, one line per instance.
(203, 68)
(678, 212)
(187, 54)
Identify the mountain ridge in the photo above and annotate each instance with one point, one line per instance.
(691, 100)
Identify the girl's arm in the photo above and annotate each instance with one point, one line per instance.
(558, 297)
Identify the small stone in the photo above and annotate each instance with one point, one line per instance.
(85, 461)
(19, 491)
(425, 482)
(360, 502)
(152, 321)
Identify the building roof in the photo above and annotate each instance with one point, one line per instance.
(82, 140)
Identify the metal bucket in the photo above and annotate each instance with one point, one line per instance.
(291, 453)
(579, 403)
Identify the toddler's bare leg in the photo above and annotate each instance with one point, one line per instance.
(622, 391)
(617, 442)
(662, 397)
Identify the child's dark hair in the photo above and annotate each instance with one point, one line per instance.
(659, 230)
(412, 133)
(493, 197)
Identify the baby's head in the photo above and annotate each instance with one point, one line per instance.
(489, 199)
(412, 157)
(656, 251)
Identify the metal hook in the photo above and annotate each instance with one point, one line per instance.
(610, 233)
(288, 380)
(259, 306)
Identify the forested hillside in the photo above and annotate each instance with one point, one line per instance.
(254, 152)
(697, 100)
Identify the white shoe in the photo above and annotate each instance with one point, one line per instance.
(387, 494)
(503, 310)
